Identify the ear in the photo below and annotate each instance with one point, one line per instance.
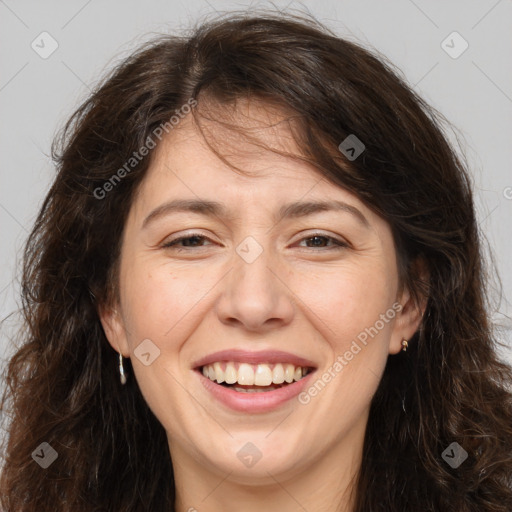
(113, 326)
(409, 317)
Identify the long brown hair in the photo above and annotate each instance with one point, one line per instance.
(449, 387)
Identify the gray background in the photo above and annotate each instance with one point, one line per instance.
(37, 95)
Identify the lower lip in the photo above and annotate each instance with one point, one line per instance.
(262, 401)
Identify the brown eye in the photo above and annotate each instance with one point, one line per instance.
(188, 241)
(320, 241)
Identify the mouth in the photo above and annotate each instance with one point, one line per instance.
(254, 378)
(253, 382)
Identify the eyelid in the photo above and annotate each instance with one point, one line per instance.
(167, 243)
(337, 242)
(335, 238)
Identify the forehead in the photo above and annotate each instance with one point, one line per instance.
(247, 139)
(248, 133)
(185, 167)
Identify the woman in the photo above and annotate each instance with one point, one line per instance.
(256, 283)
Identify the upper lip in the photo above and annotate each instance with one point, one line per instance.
(246, 356)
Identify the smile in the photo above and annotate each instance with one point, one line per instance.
(254, 378)
(253, 382)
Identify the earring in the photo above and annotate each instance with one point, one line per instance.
(121, 369)
(405, 344)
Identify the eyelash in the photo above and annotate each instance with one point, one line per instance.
(338, 244)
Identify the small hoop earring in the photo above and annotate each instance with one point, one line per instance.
(121, 369)
(405, 344)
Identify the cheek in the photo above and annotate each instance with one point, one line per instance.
(156, 307)
(353, 311)
(155, 299)
(347, 300)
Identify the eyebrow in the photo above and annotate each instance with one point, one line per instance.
(288, 211)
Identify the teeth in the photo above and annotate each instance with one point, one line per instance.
(219, 374)
(230, 374)
(245, 375)
(253, 374)
(263, 375)
(278, 374)
(255, 390)
(289, 372)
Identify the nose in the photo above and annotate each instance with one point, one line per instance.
(256, 295)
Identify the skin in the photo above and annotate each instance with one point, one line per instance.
(311, 300)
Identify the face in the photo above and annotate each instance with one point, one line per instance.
(296, 306)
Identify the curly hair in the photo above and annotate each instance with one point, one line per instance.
(450, 386)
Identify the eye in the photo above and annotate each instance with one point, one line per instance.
(318, 240)
(196, 240)
(188, 241)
